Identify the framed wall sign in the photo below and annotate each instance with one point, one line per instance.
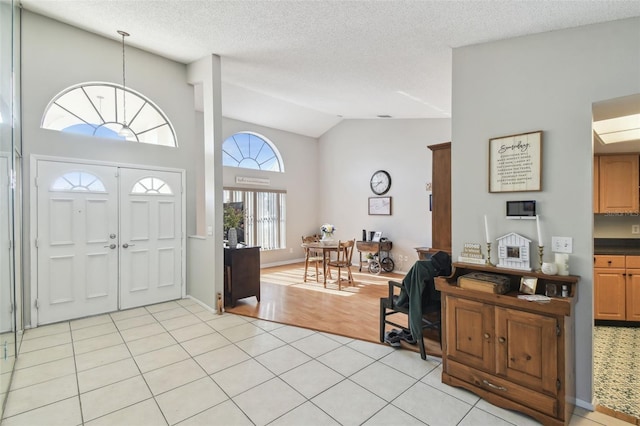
(380, 205)
(515, 163)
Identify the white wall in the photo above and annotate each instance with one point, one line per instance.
(352, 151)
(300, 180)
(542, 82)
(611, 226)
(56, 56)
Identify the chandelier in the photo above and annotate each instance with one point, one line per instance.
(125, 131)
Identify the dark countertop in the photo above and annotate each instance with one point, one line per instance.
(617, 246)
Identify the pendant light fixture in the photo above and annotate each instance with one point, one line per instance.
(125, 131)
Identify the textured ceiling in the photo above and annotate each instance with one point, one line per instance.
(303, 65)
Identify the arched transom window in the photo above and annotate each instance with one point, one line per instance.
(251, 151)
(78, 182)
(151, 186)
(104, 110)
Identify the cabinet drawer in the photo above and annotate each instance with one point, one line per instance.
(633, 262)
(604, 261)
(535, 400)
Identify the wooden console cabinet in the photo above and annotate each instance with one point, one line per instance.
(241, 274)
(514, 353)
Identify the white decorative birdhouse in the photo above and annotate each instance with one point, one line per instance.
(514, 252)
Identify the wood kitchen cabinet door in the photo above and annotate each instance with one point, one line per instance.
(609, 294)
(618, 176)
(633, 295)
(527, 349)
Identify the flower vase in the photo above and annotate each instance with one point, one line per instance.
(232, 235)
(327, 237)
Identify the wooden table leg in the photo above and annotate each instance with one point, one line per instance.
(325, 267)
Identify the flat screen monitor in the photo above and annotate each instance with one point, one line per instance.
(521, 209)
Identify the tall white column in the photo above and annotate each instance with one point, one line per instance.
(205, 277)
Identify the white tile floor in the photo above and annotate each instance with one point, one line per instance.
(177, 363)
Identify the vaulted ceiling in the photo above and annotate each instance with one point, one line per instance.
(302, 66)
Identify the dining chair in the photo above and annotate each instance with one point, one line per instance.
(312, 255)
(343, 260)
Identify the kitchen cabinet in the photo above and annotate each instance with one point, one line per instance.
(514, 353)
(633, 293)
(618, 183)
(616, 287)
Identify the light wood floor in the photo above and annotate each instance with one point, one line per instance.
(353, 312)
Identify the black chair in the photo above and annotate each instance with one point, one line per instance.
(418, 299)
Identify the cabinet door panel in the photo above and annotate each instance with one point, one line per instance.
(618, 192)
(469, 336)
(609, 294)
(633, 295)
(527, 349)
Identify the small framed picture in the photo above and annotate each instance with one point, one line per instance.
(380, 206)
(377, 236)
(528, 285)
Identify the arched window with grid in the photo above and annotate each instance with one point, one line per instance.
(105, 110)
(251, 151)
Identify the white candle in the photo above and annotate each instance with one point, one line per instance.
(540, 243)
(486, 229)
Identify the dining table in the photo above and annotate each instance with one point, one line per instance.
(327, 247)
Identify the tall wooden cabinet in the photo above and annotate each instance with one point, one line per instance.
(618, 183)
(441, 197)
(514, 353)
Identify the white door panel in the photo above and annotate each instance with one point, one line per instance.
(151, 236)
(108, 238)
(77, 240)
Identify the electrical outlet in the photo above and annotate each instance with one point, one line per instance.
(562, 244)
(635, 229)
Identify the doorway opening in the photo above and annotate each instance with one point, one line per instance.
(616, 293)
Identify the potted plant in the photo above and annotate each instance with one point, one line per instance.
(232, 219)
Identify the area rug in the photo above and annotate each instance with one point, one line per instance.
(616, 368)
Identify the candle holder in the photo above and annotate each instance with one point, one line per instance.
(488, 261)
(540, 253)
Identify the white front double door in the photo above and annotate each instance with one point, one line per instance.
(108, 238)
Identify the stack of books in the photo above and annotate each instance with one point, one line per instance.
(472, 253)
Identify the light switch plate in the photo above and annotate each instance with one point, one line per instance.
(562, 244)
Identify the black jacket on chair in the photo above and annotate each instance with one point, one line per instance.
(418, 289)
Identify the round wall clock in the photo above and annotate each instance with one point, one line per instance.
(380, 182)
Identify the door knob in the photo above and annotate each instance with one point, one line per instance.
(502, 340)
(111, 246)
(112, 236)
(127, 245)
